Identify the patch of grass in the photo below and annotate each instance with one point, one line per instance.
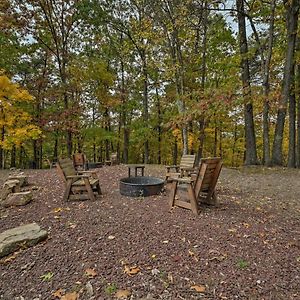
(242, 264)
(47, 276)
(111, 288)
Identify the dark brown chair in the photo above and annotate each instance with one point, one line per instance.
(79, 185)
(199, 188)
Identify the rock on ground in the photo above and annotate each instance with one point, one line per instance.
(17, 199)
(25, 235)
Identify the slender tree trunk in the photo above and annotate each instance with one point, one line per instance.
(298, 109)
(13, 157)
(55, 148)
(250, 139)
(145, 107)
(1, 149)
(175, 151)
(159, 122)
(266, 88)
(292, 129)
(292, 12)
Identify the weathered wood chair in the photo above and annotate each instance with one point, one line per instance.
(113, 160)
(197, 188)
(79, 161)
(79, 185)
(186, 166)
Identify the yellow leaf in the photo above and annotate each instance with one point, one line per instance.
(58, 293)
(91, 273)
(246, 225)
(70, 296)
(131, 271)
(58, 209)
(121, 294)
(199, 288)
(232, 230)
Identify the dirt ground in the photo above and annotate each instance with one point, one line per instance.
(247, 248)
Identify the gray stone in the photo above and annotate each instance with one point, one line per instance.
(17, 199)
(22, 236)
(13, 184)
(22, 178)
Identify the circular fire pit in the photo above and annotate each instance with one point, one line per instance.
(141, 186)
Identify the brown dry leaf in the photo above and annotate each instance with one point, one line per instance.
(58, 293)
(58, 209)
(199, 288)
(232, 230)
(246, 225)
(91, 273)
(121, 294)
(131, 271)
(193, 255)
(70, 296)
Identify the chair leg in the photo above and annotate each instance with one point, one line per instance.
(67, 190)
(173, 193)
(193, 200)
(98, 189)
(89, 189)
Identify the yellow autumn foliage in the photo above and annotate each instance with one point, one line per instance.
(15, 122)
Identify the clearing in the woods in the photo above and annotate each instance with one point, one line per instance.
(139, 248)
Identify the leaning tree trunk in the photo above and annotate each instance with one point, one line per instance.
(250, 140)
(292, 12)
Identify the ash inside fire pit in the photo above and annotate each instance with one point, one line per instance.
(141, 186)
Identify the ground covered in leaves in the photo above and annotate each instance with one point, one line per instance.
(139, 248)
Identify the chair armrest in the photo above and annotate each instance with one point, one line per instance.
(184, 180)
(173, 167)
(77, 176)
(90, 173)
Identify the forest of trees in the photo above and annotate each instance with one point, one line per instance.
(150, 80)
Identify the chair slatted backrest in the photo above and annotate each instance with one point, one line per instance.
(207, 176)
(66, 168)
(187, 161)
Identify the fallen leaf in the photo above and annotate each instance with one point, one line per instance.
(58, 293)
(199, 288)
(170, 278)
(232, 230)
(91, 273)
(120, 294)
(111, 237)
(165, 242)
(131, 271)
(58, 209)
(246, 225)
(70, 296)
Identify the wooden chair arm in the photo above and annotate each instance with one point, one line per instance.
(92, 174)
(77, 176)
(173, 167)
(183, 180)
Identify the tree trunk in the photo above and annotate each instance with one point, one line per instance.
(250, 139)
(159, 122)
(1, 149)
(13, 157)
(292, 12)
(145, 107)
(266, 88)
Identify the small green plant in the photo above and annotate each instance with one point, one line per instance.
(242, 264)
(110, 288)
(47, 276)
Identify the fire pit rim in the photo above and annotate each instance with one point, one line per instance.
(134, 189)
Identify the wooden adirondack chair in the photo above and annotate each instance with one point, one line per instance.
(186, 166)
(79, 185)
(113, 160)
(79, 161)
(197, 188)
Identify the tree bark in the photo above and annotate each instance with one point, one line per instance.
(250, 139)
(292, 12)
